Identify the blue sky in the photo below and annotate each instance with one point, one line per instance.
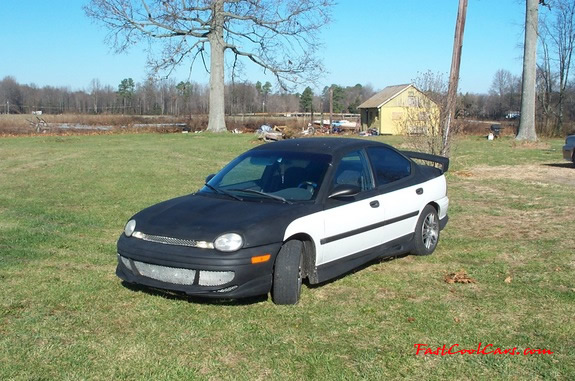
(377, 42)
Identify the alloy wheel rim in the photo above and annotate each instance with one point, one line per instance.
(430, 231)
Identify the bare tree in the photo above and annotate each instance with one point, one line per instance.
(278, 35)
(95, 90)
(504, 90)
(424, 124)
(557, 37)
(545, 83)
(11, 93)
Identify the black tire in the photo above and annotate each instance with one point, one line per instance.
(426, 232)
(286, 287)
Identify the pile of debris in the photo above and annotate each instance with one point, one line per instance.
(269, 134)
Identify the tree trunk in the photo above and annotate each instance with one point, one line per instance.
(216, 120)
(527, 121)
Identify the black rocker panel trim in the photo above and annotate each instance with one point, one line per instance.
(367, 228)
(346, 264)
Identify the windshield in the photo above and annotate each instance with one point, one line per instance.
(271, 175)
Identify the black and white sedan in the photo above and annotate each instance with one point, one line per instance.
(306, 208)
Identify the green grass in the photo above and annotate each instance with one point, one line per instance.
(65, 315)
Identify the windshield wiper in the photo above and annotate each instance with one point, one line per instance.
(221, 191)
(272, 196)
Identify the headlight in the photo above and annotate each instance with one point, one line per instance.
(130, 227)
(229, 242)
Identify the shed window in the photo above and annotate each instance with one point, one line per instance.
(412, 101)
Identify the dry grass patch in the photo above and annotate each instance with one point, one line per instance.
(511, 224)
(537, 174)
(538, 145)
(509, 202)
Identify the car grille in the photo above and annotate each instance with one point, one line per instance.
(173, 241)
(177, 275)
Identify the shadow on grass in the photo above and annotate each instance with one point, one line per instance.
(561, 165)
(174, 295)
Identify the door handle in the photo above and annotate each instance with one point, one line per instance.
(374, 204)
(419, 191)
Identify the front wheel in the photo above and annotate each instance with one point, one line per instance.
(426, 232)
(288, 273)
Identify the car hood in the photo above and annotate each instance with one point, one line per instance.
(204, 218)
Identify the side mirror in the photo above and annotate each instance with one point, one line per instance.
(344, 190)
(210, 177)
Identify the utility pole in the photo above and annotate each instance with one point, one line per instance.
(454, 75)
(321, 113)
(330, 108)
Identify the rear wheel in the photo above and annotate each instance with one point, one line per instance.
(288, 273)
(426, 232)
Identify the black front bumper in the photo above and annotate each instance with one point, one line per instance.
(248, 279)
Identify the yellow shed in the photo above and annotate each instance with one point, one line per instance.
(399, 110)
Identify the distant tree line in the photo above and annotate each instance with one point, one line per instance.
(152, 97)
(171, 97)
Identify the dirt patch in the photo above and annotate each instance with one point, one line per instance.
(540, 174)
(504, 210)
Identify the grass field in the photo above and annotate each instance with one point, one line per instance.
(65, 316)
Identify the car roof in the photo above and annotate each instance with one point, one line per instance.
(325, 145)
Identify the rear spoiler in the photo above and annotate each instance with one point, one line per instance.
(443, 161)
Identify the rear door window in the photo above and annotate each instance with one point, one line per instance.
(388, 165)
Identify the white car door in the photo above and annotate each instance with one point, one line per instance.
(349, 222)
(386, 209)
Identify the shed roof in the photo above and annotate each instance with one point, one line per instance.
(384, 96)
